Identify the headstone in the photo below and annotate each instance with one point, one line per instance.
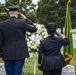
(2, 69)
(30, 54)
(68, 70)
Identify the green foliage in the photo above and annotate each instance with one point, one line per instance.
(55, 11)
(73, 13)
(26, 7)
(3, 12)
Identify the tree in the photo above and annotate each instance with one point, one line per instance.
(3, 12)
(26, 7)
(54, 11)
(48, 11)
(73, 13)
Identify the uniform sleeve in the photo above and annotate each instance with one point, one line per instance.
(40, 53)
(29, 26)
(65, 42)
(1, 44)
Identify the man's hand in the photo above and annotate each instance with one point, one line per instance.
(1, 58)
(23, 16)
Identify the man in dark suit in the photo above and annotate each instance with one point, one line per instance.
(15, 47)
(50, 59)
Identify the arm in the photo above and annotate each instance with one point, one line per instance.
(29, 26)
(40, 52)
(66, 42)
(1, 44)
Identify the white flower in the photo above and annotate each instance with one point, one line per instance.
(33, 40)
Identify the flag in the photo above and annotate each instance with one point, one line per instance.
(68, 50)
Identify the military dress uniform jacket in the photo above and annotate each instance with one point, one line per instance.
(1, 44)
(50, 56)
(13, 31)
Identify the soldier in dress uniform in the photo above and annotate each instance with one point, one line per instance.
(50, 59)
(13, 31)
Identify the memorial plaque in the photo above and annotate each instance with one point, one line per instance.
(68, 70)
(2, 69)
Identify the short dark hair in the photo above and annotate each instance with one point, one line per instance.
(51, 31)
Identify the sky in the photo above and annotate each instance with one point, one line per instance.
(34, 1)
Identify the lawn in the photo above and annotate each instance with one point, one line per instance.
(28, 68)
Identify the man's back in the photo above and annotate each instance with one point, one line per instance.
(15, 46)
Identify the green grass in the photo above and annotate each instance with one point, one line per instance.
(28, 68)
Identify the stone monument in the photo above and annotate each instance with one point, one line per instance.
(68, 70)
(2, 69)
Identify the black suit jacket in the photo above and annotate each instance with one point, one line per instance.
(1, 44)
(49, 53)
(13, 31)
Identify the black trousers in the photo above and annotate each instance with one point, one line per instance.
(52, 72)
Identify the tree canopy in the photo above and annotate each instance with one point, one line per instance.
(47, 11)
(26, 7)
(55, 11)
